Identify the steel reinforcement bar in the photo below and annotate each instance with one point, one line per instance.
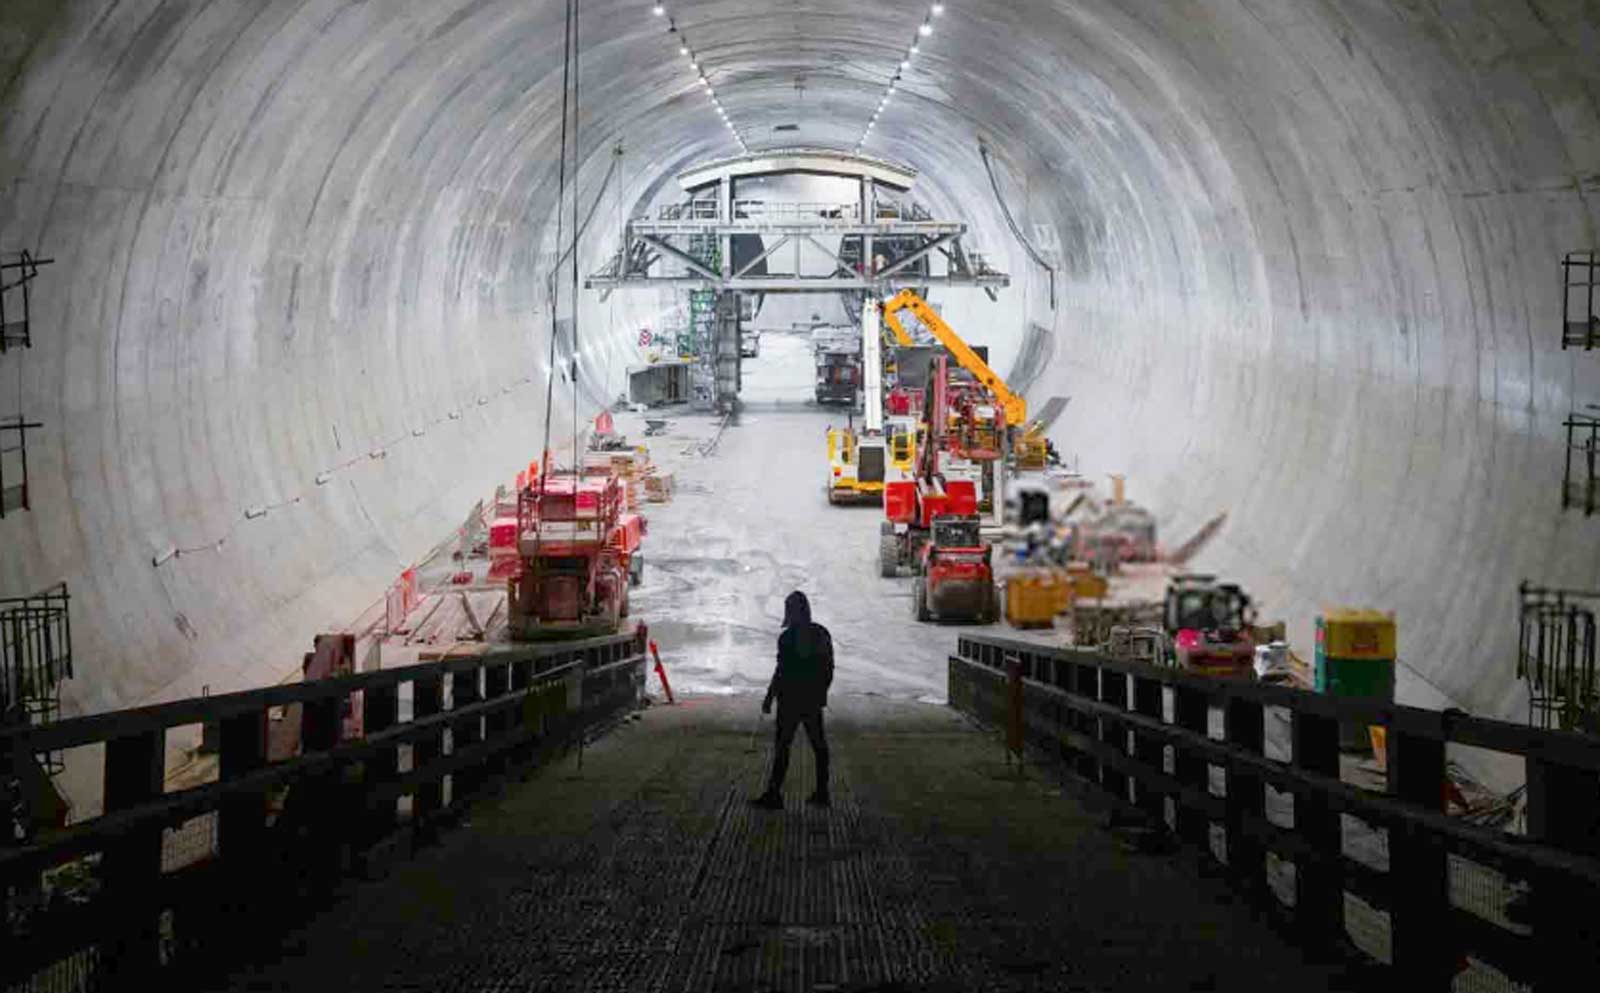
(1146, 736)
(287, 831)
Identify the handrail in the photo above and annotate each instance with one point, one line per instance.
(510, 706)
(1107, 720)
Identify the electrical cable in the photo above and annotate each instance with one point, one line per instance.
(1027, 246)
(561, 192)
(572, 300)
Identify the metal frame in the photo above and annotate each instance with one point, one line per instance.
(16, 495)
(17, 330)
(35, 657)
(647, 241)
(1108, 722)
(1557, 655)
(504, 711)
(1580, 481)
(1580, 320)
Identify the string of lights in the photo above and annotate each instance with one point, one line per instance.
(923, 30)
(686, 50)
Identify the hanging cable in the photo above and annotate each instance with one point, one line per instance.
(572, 301)
(561, 193)
(1027, 246)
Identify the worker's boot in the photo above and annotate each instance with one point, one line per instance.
(770, 800)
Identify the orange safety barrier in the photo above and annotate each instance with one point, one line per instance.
(661, 671)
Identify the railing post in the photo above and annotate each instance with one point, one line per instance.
(465, 733)
(1418, 869)
(427, 700)
(134, 772)
(380, 712)
(1191, 711)
(1246, 802)
(242, 817)
(1086, 686)
(1564, 811)
(1015, 739)
(321, 802)
(1113, 730)
(1319, 887)
(1149, 749)
(496, 684)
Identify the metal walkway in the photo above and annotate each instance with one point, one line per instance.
(936, 869)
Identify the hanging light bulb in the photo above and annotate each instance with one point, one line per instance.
(658, 10)
(925, 29)
(938, 9)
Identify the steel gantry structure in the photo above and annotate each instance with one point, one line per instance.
(880, 243)
(726, 250)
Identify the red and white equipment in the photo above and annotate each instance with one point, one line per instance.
(934, 503)
(574, 541)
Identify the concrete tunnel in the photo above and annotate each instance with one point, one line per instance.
(1297, 262)
(1306, 274)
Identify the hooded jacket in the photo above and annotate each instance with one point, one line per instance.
(805, 659)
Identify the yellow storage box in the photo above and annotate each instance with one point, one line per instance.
(1032, 601)
(1356, 634)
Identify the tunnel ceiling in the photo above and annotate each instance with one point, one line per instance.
(1305, 257)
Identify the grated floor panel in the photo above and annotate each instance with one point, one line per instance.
(935, 869)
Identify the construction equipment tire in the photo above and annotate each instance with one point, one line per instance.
(919, 600)
(888, 556)
(990, 611)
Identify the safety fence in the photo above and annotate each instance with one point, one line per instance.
(164, 885)
(1379, 877)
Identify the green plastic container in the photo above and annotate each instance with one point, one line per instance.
(1370, 676)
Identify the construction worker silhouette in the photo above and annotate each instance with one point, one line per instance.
(800, 685)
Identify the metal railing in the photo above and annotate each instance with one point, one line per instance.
(1580, 480)
(17, 270)
(35, 656)
(267, 839)
(1191, 755)
(1580, 316)
(770, 210)
(1558, 657)
(14, 491)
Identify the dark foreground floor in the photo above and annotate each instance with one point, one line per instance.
(936, 869)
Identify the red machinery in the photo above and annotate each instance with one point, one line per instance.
(574, 543)
(956, 580)
(977, 425)
(931, 525)
(1211, 627)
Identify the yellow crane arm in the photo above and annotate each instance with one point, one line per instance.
(1015, 408)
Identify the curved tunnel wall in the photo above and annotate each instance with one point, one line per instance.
(1306, 252)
